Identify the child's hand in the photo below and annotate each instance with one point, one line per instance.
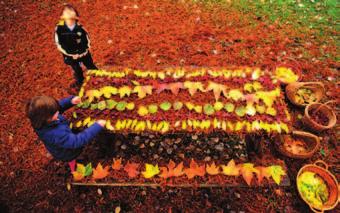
(76, 100)
(101, 122)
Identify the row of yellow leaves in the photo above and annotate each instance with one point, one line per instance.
(165, 126)
(255, 73)
(247, 170)
(283, 74)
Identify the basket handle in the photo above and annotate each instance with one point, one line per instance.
(323, 163)
(316, 210)
(326, 103)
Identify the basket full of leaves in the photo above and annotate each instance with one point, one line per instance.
(303, 93)
(318, 187)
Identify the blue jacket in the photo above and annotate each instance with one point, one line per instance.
(59, 139)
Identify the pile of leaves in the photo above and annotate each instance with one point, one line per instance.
(199, 100)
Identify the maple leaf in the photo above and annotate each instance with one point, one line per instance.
(172, 170)
(150, 170)
(161, 87)
(231, 169)
(77, 176)
(124, 91)
(91, 94)
(117, 164)
(131, 169)
(216, 88)
(276, 172)
(175, 87)
(108, 91)
(212, 169)
(142, 91)
(262, 172)
(99, 172)
(82, 171)
(193, 87)
(194, 170)
(247, 170)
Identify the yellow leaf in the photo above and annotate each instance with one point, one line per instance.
(231, 169)
(235, 94)
(124, 91)
(142, 91)
(108, 91)
(77, 176)
(108, 125)
(193, 87)
(212, 169)
(142, 111)
(276, 172)
(150, 170)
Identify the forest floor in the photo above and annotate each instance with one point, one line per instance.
(151, 35)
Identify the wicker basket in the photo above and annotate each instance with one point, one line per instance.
(312, 142)
(317, 88)
(325, 110)
(330, 180)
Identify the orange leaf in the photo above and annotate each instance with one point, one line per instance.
(212, 169)
(171, 170)
(117, 164)
(231, 169)
(99, 172)
(174, 87)
(262, 172)
(247, 170)
(77, 176)
(194, 170)
(216, 88)
(131, 169)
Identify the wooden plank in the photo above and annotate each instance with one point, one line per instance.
(285, 183)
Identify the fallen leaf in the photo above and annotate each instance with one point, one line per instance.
(131, 169)
(262, 172)
(171, 170)
(124, 91)
(194, 170)
(175, 87)
(212, 169)
(150, 170)
(142, 91)
(247, 170)
(193, 87)
(276, 172)
(99, 172)
(231, 169)
(117, 164)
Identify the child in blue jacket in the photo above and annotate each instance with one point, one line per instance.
(45, 114)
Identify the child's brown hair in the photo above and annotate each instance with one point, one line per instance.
(70, 7)
(41, 109)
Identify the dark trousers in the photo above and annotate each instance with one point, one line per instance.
(77, 70)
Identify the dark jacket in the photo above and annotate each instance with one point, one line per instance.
(59, 139)
(71, 42)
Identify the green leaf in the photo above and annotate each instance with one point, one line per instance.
(88, 170)
(101, 105)
(74, 114)
(240, 111)
(322, 152)
(152, 108)
(85, 104)
(121, 106)
(208, 109)
(276, 172)
(110, 104)
(94, 106)
(178, 105)
(165, 106)
(229, 107)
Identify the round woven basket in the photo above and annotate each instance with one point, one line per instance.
(325, 110)
(317, 88)
(312, 142)
(328, 178)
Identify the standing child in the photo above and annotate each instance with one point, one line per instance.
(53, 129)
(74, 43)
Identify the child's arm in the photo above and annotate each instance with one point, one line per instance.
(85, 40)
(66, 103)
(57, 42)
(74, 141)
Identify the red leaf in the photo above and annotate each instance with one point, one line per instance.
(131, 169)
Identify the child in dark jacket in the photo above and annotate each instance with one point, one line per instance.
(45, 114)
(73, 42)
